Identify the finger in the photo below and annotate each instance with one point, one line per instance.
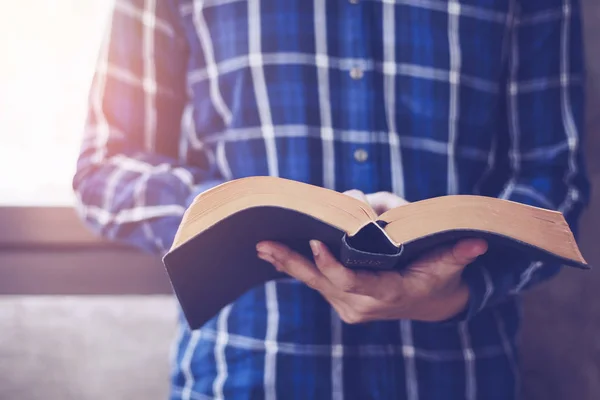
(383, 201)
(292, 263)
(452, 260)
(466, 251)
(357, 194)
(342, 278)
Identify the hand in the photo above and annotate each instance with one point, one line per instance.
(430, 289)
(380, 202)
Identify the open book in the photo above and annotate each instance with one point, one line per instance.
(213, 258)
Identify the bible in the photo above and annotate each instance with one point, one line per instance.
(213, 258)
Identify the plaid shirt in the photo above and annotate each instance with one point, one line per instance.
(419, 97)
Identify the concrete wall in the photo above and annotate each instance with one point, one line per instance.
(85, 347)
(561, 335)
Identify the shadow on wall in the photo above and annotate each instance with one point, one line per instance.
(561, 332)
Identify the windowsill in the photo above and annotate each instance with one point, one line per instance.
(48, 251)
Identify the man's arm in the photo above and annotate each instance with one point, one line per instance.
(128, 183)
(545, 116)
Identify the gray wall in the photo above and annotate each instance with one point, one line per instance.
(86, 347)
(561, 333)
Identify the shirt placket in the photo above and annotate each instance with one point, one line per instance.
(358, 155)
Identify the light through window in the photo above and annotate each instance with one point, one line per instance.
(48, 50)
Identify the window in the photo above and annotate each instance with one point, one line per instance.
(48, 53)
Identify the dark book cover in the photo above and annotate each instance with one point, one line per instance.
(218, 265)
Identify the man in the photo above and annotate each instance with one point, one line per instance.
(401, 100)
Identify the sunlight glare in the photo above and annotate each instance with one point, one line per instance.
(48, 50)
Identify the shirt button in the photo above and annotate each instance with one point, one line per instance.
(361, 155)
(356, 73)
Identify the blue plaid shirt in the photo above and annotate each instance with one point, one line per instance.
(419, 97)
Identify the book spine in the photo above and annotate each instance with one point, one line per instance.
(354, 258)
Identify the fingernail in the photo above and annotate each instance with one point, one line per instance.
(265, 256)
(263, 248)
(481, 248)
(314, 245)
(477, 249)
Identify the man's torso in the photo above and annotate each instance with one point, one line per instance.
(402, 96)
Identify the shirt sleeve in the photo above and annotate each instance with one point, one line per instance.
(545, 104)
(130, 184)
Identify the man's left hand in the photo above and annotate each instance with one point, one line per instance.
(380, 202)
